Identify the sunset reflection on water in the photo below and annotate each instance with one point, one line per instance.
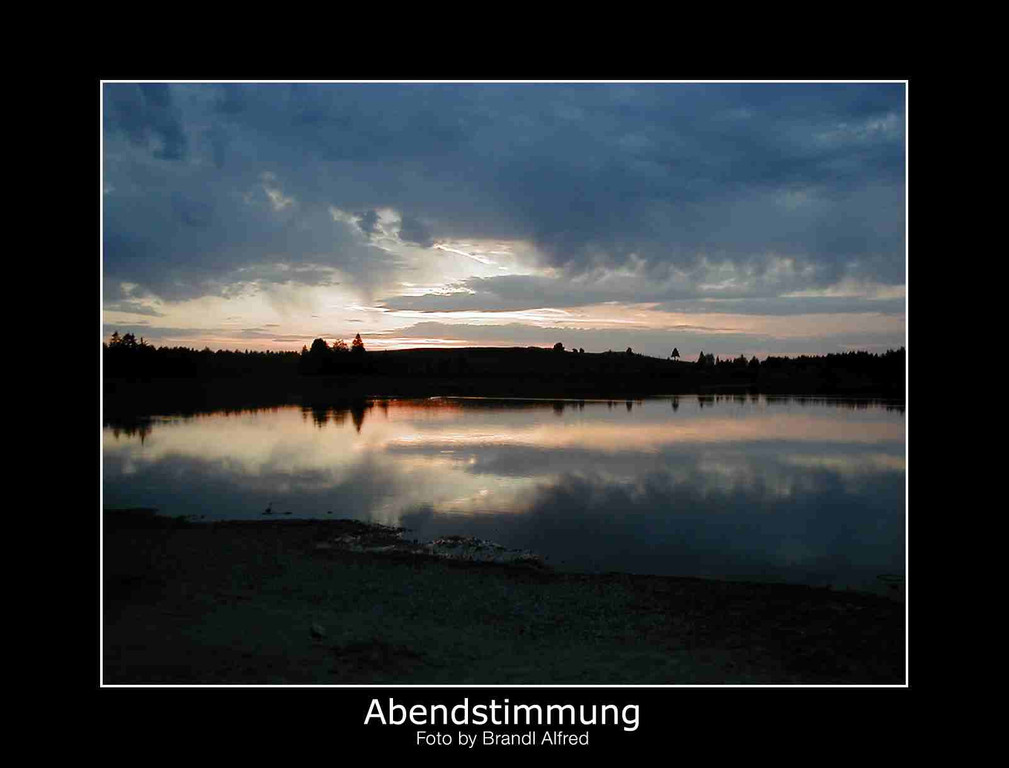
(803, 490)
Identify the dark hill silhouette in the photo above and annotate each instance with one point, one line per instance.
(140, 376)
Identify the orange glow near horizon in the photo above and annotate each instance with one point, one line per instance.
(286, 317)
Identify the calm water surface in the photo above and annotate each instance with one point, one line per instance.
(799, 490)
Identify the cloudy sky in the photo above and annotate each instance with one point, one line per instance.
(734, 218)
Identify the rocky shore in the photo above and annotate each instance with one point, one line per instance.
(341, 602)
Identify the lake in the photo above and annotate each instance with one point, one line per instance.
(748, 487)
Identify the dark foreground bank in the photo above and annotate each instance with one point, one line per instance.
(337, 602)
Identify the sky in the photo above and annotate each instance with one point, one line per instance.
(730, 218)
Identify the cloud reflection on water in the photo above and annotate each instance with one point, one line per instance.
(795, 491)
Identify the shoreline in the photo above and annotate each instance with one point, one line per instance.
(129, 409)
(140, 396)
(343, 602)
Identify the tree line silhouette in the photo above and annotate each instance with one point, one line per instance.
(323, 359)
(541, 371)
(127, 357)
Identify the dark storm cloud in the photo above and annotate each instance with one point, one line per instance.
(145, 114)
(367, 221)
(183, 234)
(195, 213)
(801, 305)
(412, 230)
(519, 292)
(595, 175)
